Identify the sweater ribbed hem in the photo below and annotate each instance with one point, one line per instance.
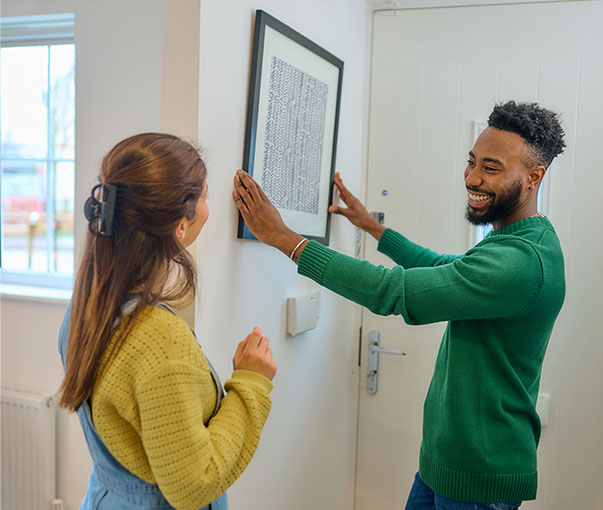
(478, 487)
(390, 243)
(313, 261)
(253, 378)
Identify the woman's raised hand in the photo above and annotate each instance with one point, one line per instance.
(254, 354)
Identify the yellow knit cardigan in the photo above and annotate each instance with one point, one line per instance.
(150, 403)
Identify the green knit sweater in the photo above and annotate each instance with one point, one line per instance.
(501, 299)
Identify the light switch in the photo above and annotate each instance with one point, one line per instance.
(302, 312)
(543, 405)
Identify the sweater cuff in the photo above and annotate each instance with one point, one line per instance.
(313, 260)
(391, 243)
(254, 378)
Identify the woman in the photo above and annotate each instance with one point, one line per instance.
(159, 430)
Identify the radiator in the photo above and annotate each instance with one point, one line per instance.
(28, 451)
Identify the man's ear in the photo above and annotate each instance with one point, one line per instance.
(181, 229)
(535, 176)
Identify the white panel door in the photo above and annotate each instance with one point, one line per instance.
(436, 72)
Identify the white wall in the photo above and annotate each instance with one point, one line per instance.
(306, 456)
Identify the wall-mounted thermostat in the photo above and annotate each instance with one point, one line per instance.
(302, 312)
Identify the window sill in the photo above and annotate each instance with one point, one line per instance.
(31, 293)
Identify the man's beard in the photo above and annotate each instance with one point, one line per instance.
(499, 209)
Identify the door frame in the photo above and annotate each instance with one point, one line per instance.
(396, 5)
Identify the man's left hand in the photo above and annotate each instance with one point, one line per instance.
(260, 215)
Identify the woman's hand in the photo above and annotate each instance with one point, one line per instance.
(355, 211)
(254, 354)
(260, 215)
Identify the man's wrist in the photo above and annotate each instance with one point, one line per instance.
(292, 245)
(298, 251)
(376, 230)
(297, 247)
(288, 241)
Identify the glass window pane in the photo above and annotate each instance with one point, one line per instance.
(24, 216)
(62, 100)
(37, 133)
(63, 216)
(23, 94)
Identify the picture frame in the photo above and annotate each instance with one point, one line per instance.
(292, 125)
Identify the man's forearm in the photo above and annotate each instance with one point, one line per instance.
(376, 230)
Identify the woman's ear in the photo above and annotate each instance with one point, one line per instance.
(181, 229)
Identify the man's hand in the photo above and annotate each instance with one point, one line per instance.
(261, 217)
(355, 211)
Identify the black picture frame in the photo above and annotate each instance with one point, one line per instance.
(292, 125)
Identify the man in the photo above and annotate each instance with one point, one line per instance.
(500, 298)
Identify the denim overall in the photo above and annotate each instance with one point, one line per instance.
(111, 486)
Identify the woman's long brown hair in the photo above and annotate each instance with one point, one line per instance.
(159, 179)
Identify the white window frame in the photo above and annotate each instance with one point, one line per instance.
(48, 29)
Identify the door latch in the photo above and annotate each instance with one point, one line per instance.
(372, 364)
(379, 216)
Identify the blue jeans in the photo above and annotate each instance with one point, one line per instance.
(99, 498)
(422, 497)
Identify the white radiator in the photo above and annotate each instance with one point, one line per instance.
(28, 451)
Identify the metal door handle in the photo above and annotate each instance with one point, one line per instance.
(373, 347)
(372, 365)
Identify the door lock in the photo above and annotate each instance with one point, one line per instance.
(372, 365)
(379, 216)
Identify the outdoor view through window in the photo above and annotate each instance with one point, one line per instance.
(38, 157)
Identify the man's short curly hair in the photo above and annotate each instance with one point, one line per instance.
(539, 127)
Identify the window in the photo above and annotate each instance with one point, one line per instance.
(37, 133)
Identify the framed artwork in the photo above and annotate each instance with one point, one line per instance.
(291, 130)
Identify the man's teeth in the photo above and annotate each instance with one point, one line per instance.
(478, 198)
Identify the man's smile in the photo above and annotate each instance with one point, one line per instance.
(477, 199)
